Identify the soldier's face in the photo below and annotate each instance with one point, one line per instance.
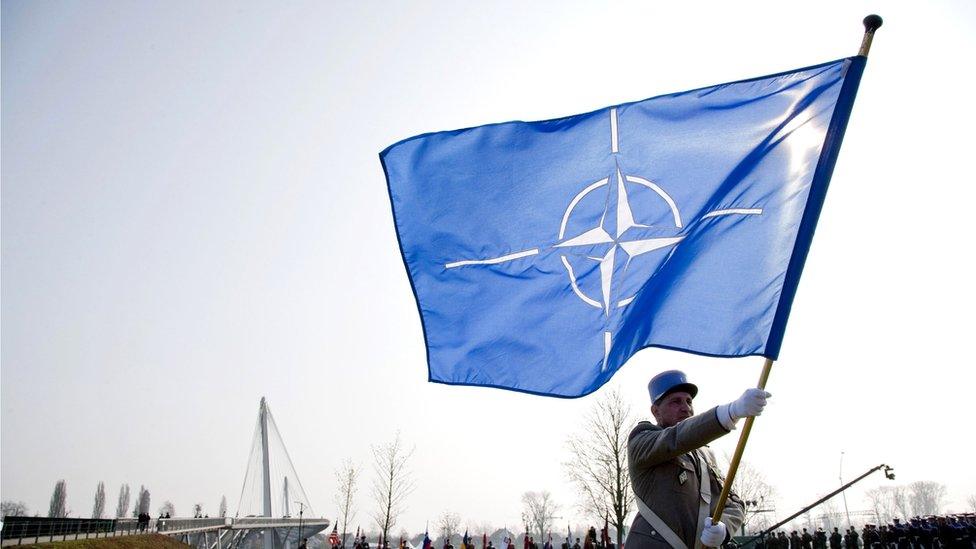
(672, 409)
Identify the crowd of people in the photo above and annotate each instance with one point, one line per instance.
(590, 541)
(933, 532)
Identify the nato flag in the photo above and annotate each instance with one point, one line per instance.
(544, 254)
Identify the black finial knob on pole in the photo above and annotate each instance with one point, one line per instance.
(871, 24)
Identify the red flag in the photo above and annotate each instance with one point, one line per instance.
(484, 540)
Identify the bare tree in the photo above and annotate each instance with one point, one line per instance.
(392, 484)
(480, 527)
(197, 510)
(757, 494)
(971, 501)
(123, 508)
(882, 503)
(142, 504)
(829, 518)
(57, 509)
(598, 465)
(808, 519)
(901, 499)
(12, 508)
(448, 524)
(167, 508)
(99, 508)
(346, 477)
(928, 498)
(223, 507)
(539, 511)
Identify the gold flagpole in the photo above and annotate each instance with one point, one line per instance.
(871, 24)
(739, 448)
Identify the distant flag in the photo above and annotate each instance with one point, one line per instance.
(334, 536)
(543, 255)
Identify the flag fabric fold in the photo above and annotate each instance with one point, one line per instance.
(542, 255)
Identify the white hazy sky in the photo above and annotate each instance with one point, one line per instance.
(194, 216)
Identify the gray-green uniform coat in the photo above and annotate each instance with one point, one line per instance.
(665, 474)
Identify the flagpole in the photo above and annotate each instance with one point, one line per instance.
(740, 448)
(871, 24)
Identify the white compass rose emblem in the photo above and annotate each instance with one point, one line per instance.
(616, 231)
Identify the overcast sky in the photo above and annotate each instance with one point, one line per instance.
(194, 216)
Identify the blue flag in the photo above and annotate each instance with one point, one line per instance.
(544, 254)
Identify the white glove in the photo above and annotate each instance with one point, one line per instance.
(713, 535)
(750, 404)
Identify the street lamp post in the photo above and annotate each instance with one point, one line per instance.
(301, 511)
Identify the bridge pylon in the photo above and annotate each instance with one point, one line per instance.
(270, 486)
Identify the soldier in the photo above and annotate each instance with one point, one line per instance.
(870, 536)
(806, 540)
(901, 534)
(835, 539)
(853, 538)
(887, 537)
(820, 539)
(672, 471)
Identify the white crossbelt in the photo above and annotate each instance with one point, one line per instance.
(705, 491)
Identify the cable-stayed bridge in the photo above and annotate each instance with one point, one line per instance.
(272, 494)
(273, 511)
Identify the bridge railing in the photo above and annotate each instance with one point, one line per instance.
(19, 530)
(164, 525)
(251, 522)
(36, 527)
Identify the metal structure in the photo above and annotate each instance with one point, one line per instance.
(269, 467)
(270, 471)
(888, 472)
